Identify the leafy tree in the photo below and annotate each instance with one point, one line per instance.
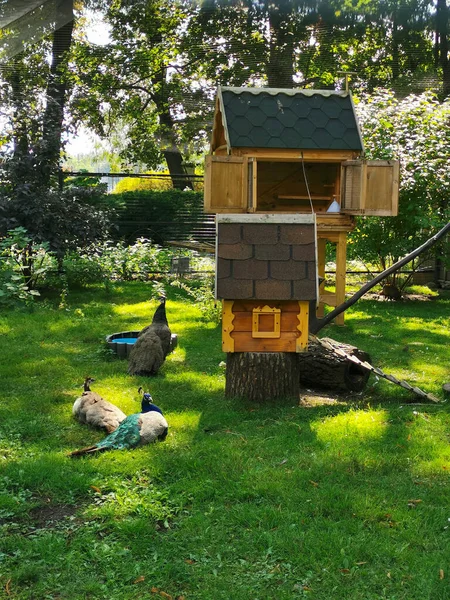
(32, 95)
(136, 82)
(415, 131)
(282, 44)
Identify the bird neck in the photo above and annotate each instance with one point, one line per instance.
(160, 314)
(149, 407)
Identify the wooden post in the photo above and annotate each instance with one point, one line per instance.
(321, 257)
(341, 268)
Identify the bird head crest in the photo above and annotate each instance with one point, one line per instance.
(146, 396)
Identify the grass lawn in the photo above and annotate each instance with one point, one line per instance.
(242, 501)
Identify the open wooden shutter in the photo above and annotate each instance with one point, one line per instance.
(370, 187)
(226, 183)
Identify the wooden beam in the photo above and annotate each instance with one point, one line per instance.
(341, 268)
(283, 154)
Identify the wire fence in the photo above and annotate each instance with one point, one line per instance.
(143, 215)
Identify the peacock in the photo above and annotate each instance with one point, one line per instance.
(135, 430)
(91, 409)
(153, 344)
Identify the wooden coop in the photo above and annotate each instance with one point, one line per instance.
(266, 277)
(285, 177)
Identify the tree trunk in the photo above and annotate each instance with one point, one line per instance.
(172, 153)
(56, 96)
(322, 368)
(170, 149)
(441, 46)
(280, 67)
(262, 376)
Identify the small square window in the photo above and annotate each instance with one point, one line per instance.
(266, 322)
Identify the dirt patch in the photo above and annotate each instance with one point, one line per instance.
(49, 515)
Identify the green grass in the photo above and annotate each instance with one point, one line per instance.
(242, 501)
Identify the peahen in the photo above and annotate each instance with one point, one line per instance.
(91, 409)
(136, 430)
(153, 344)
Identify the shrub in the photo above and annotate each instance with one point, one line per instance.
(23, 268)
(112, 261)
(65, 219)
(143, 184)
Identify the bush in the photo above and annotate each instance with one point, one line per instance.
(143, 184)
(64, 219)
(24, 266)
(116, 262)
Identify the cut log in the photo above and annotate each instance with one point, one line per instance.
(262, 376)
(323, 368)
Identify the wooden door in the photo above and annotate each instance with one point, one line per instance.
(370, 187)
(226, 184)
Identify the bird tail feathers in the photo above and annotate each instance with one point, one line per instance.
(87, 450)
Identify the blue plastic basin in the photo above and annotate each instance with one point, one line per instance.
(125, 340)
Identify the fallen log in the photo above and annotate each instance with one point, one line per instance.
(320, 367)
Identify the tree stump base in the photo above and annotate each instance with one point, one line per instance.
(262, 376)
(322, 368)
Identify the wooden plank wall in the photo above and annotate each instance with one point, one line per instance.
(237, 327)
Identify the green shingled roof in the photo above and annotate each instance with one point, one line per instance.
(284, 118)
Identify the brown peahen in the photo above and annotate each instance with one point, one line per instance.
(91, 409)
(153, 344)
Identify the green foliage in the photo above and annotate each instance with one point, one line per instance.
(137, 184)
(415, 131)
(65, 219)
(24, 266)
(85, 181)
(112, 261)
(202, 293)
(150, 183)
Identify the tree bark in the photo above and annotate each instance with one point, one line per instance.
(322, 368)
(262, 376)
(56, 96)
(280, 67)
(441, 47)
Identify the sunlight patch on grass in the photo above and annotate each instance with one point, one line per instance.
(428, 442)
(418, 324)
(203, 381)
(187, 420)
(5, 329)
(352, 426)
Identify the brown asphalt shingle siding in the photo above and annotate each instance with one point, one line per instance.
(266, 261)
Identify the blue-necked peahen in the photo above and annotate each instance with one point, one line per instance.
(136, 430)
(91, 409)
(153, 344)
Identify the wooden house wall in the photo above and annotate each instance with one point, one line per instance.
(237, 319)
